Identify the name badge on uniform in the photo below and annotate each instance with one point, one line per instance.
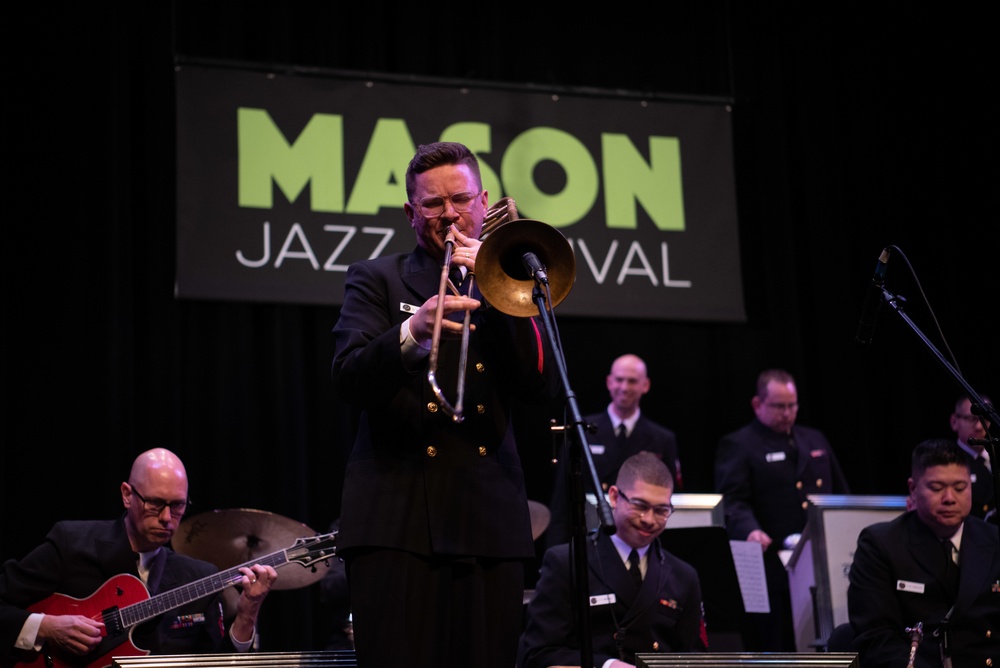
(604, 599)
(597, 449)
(906, 585)
(775, 457)
(407, 308)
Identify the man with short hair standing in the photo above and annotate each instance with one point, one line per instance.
(765, 472)
(434, 529)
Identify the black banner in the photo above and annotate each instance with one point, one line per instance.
(284, 179)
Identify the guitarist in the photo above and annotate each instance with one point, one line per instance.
(78, 557)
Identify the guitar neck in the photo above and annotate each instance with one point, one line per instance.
(142, 611)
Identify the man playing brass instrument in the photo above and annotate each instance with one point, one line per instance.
(435, 530)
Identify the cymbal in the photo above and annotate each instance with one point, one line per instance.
(540, 517)
(229, 538)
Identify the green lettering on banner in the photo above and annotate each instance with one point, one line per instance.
(477, 137)
(656, 186)
(316, 156)
(382, 177)
(517, 171)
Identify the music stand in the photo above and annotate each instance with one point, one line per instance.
(707, 549)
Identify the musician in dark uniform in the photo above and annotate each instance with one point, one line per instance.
(936, 565)
(642, 598)
(765, 471)
(77, 560)
(627, 383)
(434, 526)
(970, 427)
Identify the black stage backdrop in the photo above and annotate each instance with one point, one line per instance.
(852, 132)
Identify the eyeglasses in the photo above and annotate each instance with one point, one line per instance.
(968, 418)
(156, 506)
(433, 207)
(781, 408)
(640, 507)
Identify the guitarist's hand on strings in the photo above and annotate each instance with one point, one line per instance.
(73, 633)
(257, 581)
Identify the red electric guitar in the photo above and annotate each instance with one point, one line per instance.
(123, 602)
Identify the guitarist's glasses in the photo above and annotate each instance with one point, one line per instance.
(156, 506)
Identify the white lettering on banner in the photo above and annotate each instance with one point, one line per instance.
(666, 270)
(254, 264)
(296, 232)
(306, 252)
(634, 251)
(634, 263)
(349, 233)
(387, 234)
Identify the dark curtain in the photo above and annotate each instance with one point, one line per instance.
(852, 132)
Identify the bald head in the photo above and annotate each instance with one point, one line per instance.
(158, 465)
(631, 362)
(626, 384)
(157, 481)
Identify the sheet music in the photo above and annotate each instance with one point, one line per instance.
(749, 561)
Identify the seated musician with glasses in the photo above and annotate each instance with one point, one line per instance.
(765, 471)
(642, 598)
(619, 431)
(103, 588)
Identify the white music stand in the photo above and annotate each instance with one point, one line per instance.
(819, 565)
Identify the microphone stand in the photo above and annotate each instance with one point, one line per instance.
(579, 453)
(979, 407)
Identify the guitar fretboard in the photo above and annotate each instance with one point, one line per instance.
(157, 605)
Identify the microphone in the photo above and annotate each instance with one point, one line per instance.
(873, 300)
(534, 267)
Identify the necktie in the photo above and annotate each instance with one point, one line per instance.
(455, 274)
(792, 451)
(633, 568)
(950, 567)
(622, 437)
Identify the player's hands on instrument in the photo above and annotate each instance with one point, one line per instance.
(422, 322)
(257, 581)
(465, 250)
(76, 634)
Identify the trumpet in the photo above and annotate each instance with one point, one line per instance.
(503, 281)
